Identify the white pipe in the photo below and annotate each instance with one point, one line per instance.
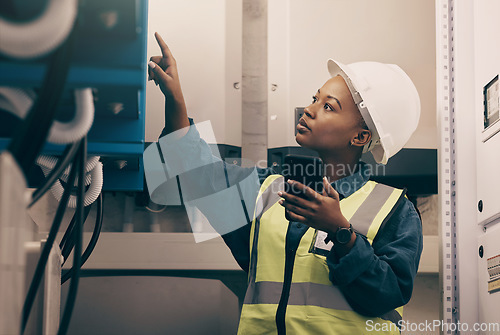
(19, 102)
(47, 163)
(87, 181)
(74, 130)
(50, 162)
(90, 195)
(15, 101)
(40, 36)
(93, 177)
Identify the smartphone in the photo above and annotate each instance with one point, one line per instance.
(304, 169)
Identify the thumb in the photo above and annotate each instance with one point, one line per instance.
(159, 74)
(329, 190)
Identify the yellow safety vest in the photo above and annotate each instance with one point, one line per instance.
(313, 305)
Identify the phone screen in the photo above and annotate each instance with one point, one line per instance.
(304, 169)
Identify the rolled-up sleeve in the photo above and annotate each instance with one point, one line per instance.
(378, 278)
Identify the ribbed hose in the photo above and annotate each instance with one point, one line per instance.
(16, 101)
(87, 181)
(93, 177)
(49, 162)
(63, 133)
(91, 194)
(19, 102)
(40, 36)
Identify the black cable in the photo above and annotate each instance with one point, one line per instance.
(69, 229)
(68, 241)
(93, 239)
(30, 138)
(62, 164)
(42, 262)
(77, 256)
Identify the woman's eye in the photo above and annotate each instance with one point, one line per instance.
(328, 107)
(314, 99)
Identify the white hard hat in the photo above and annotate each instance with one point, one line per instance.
(387, 100)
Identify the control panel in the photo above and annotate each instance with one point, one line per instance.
(108, 56)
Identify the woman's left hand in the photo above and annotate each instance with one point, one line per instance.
(320, 211)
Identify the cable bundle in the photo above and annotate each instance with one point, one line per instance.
(54, 32)
(78, 165)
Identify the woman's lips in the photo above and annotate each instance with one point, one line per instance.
(302, 126)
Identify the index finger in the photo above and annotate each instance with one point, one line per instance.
(165, 51)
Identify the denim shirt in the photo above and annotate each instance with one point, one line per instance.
(374, 278)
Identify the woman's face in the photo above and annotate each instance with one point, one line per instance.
(331, 121)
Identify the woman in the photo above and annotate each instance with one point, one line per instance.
(340, 262)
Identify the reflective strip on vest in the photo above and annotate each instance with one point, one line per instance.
(269, 292)
(267, 197)
(380, 202)
(366, 209)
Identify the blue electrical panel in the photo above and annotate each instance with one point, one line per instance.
(109, 56)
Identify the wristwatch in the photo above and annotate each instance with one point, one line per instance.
(343, 235)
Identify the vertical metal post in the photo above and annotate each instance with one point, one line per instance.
(254, 84)
(447, 181)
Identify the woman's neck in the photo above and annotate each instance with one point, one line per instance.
(336, 168)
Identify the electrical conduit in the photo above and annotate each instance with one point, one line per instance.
(19, 102)
(40, 36)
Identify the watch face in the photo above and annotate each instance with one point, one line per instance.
(343, 235)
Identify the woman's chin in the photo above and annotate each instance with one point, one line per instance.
(300, 140)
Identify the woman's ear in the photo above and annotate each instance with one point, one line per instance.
(362, 138)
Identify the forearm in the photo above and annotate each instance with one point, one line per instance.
(380, 285)
(379, 277)
(176, 117)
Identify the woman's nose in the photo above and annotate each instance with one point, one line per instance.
(309, 111)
